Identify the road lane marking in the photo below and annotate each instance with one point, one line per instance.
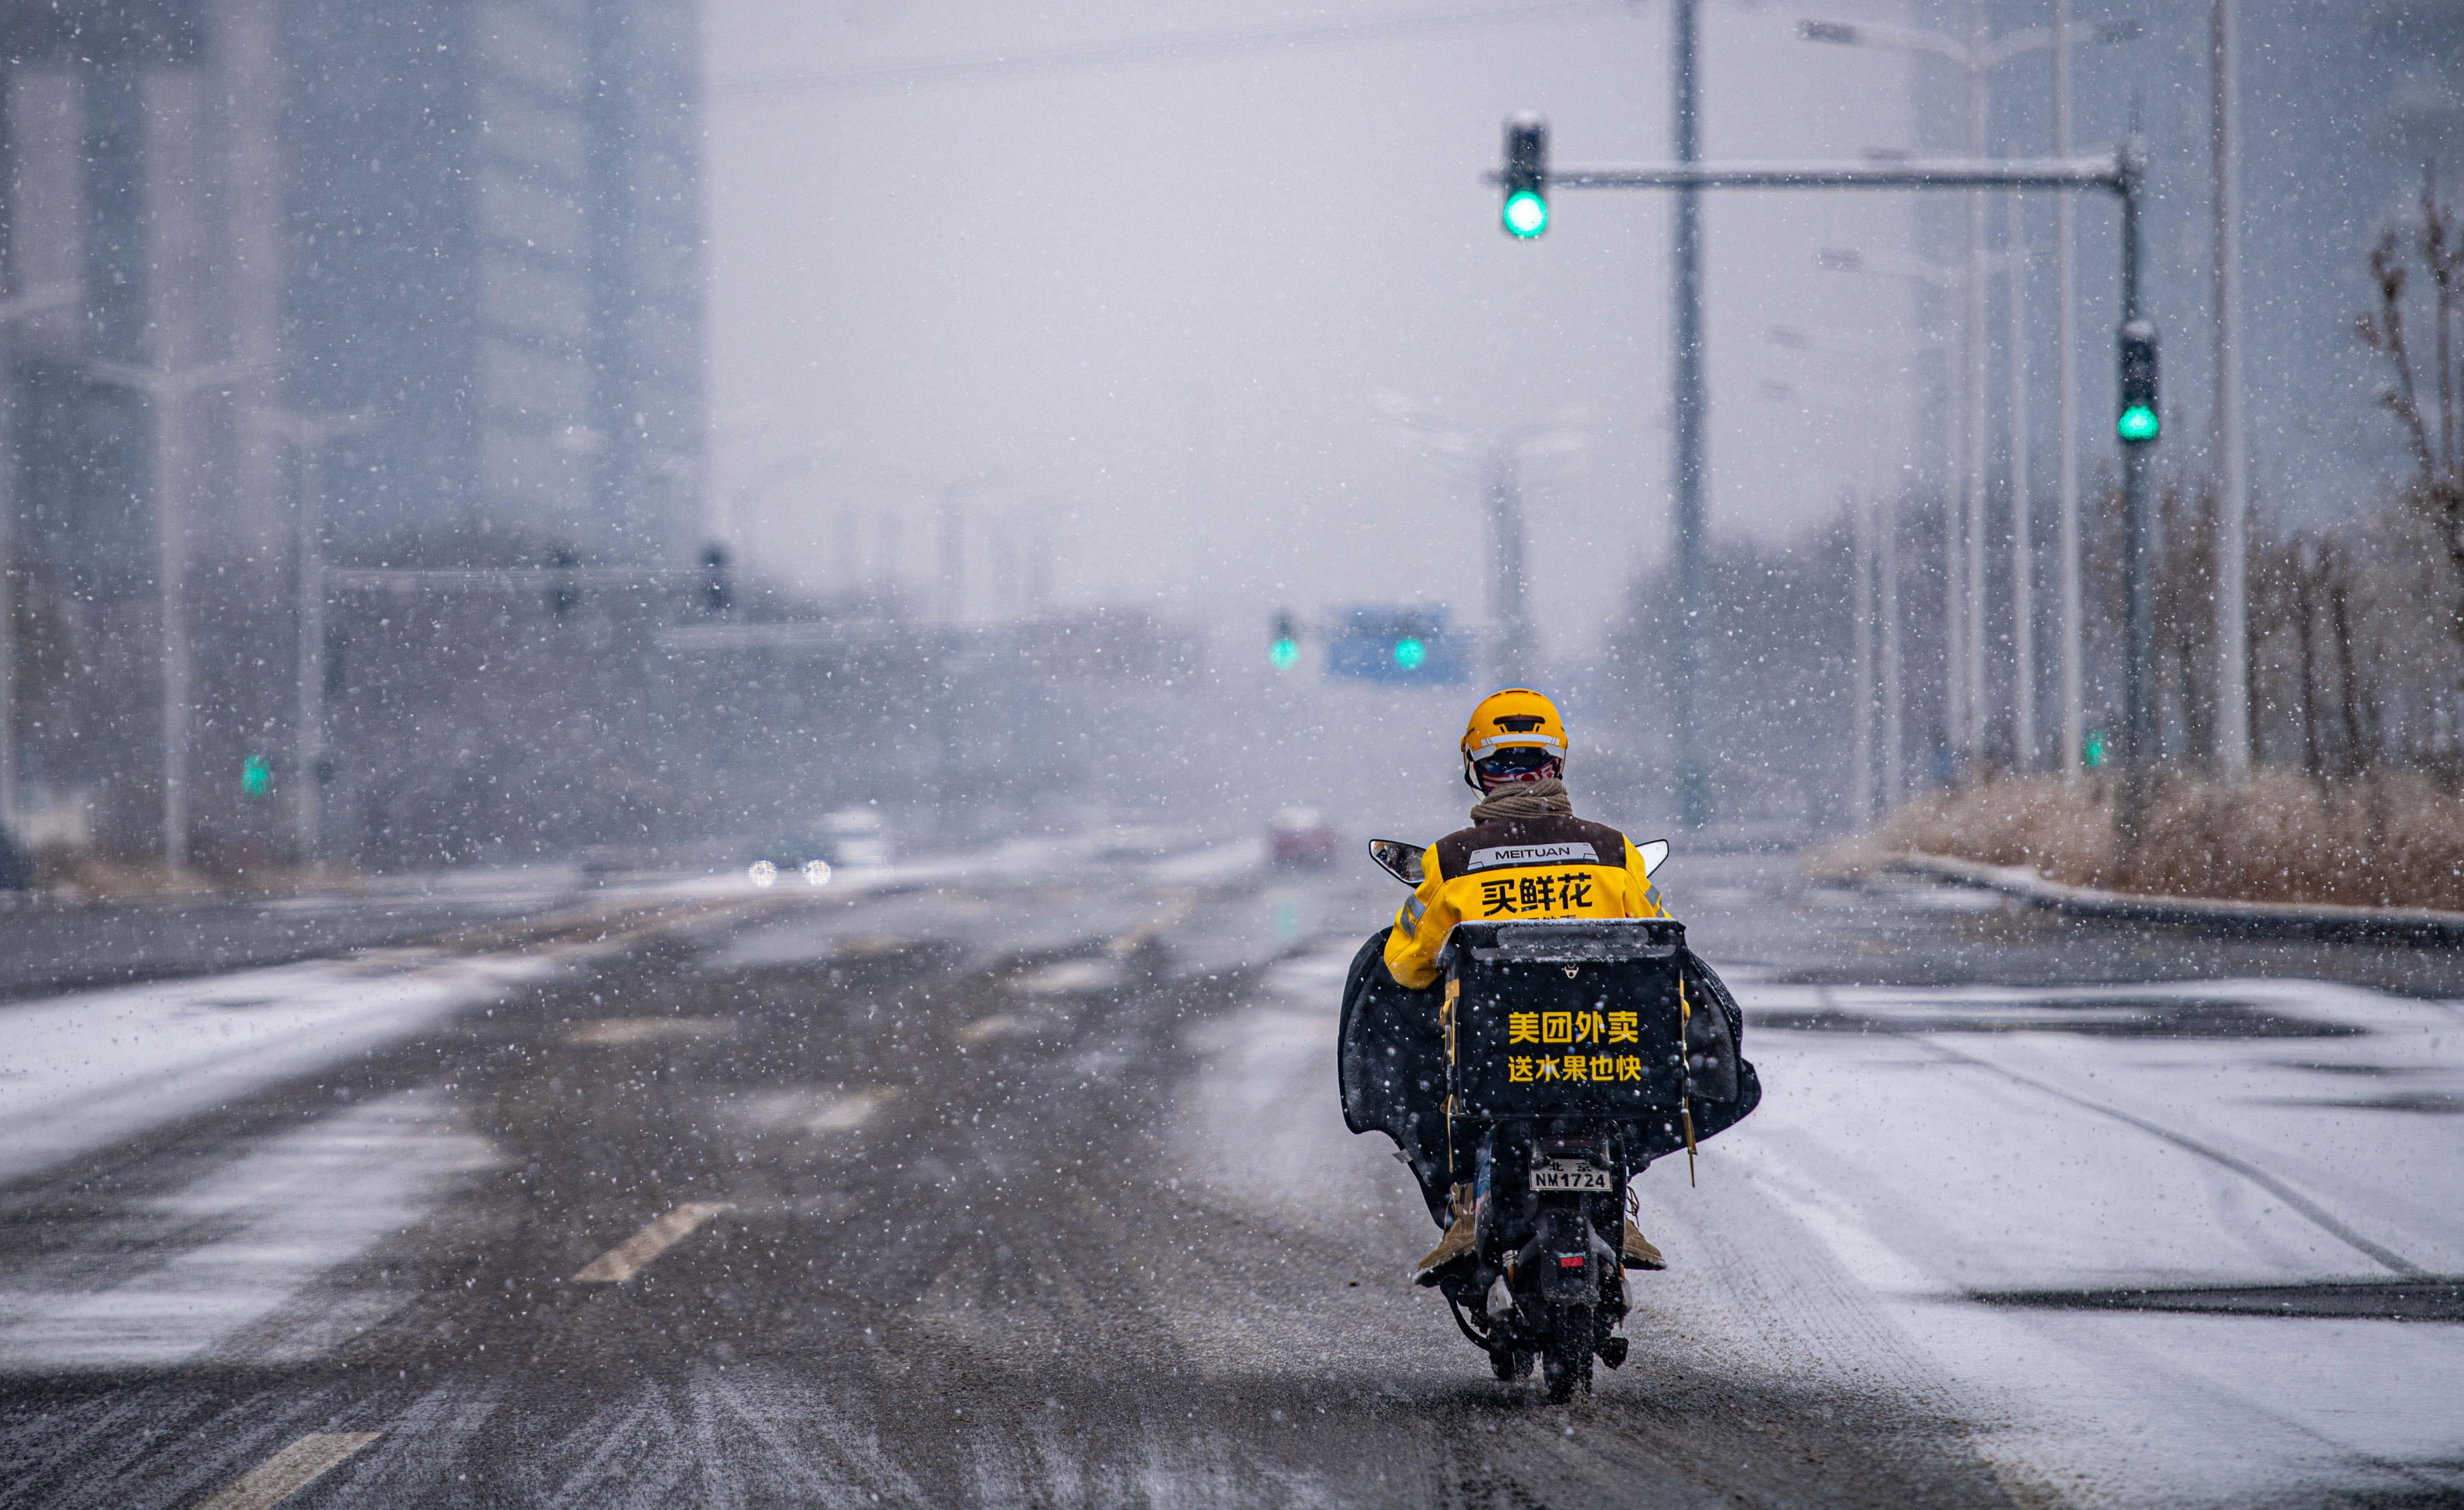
(625, 1260)
(817, 1111)
(289, 1470)
(847, 1112)
(1173, 916)
(608, 1032)
(869, 945)
(1070, 978)
(984, 1029)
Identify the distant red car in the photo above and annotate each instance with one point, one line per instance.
(1301, 836)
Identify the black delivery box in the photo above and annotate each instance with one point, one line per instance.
(1577, 1017)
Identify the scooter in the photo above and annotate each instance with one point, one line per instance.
(1570, 1054)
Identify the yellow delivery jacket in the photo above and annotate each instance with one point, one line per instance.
(1513, 867)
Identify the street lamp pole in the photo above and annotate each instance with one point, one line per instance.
(1862, 632)
(2066, 419)
(1972, 734)
(1689, 401)
(310, 435)
(33, 301)
(167, 391)
(2023, 535)
(2233, 462)
(1494, 465)
(1978, 58)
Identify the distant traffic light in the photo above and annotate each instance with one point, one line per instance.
(2091, 750)
(1525, 214)
(1283, 642)
(2138, 423)
(255, 777)
(1411, 643)
(1398, 645)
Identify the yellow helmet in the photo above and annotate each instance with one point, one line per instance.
(1513, 718)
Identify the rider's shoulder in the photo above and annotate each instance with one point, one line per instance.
(1494, 843)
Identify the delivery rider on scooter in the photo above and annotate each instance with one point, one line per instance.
(1525, 856)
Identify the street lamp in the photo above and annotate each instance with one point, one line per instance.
(1977, 57)
(167, 390)
(1497, 462)
(1877, 554)
(33, 301)
(311, 434)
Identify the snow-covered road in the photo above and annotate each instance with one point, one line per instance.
(1942, 1186)
(91, 1071)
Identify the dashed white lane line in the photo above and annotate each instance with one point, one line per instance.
(625, 1260)
(984, 1030)
(289, 1470)
(615, 1032)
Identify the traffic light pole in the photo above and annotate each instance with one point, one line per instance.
(2122, 174)
(1689, 398)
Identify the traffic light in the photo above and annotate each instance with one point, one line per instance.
(2092, 752)
(1411, 643)
(1526, 178)
(1283, 642)
(1407, 645)
(2138, 423)
(255, 777)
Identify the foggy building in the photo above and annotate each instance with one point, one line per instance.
(472, 228)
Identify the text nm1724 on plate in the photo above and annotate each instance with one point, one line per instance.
(1557, 1174)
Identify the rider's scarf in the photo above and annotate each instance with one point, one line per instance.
(1539, 799)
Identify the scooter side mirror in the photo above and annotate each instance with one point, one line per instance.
(1654, 854)
(1399, 860)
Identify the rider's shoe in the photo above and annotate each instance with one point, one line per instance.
(1640, 1254)
(1461, 1240)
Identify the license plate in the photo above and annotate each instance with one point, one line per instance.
(1577, 1179)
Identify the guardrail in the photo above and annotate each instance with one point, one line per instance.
(2327, 921)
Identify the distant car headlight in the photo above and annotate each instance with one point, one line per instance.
(762, 873)
(817, 872)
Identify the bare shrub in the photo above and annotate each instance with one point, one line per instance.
(2388, 840)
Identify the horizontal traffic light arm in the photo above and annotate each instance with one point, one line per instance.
(2118, 172)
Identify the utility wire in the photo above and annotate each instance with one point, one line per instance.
(1155, 50)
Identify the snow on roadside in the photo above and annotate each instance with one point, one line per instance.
(84, 1071)
(1932, 1158)
(1941, 1143)
(228, 1266)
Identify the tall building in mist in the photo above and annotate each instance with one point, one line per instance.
(495, 225)
(472, 225)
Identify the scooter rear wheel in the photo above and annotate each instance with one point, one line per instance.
(1567, 1366)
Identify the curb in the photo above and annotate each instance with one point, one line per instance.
(2326, 922)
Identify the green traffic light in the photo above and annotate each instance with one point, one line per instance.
(255, 777)
(1409, 653)
(1527, 214)
(2093, 754)
(2138, 423)
(1285, 654)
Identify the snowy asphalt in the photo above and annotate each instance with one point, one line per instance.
(1001, 1185)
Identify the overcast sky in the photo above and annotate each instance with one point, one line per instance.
(1149, 307)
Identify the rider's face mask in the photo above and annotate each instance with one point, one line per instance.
(1518, 764)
